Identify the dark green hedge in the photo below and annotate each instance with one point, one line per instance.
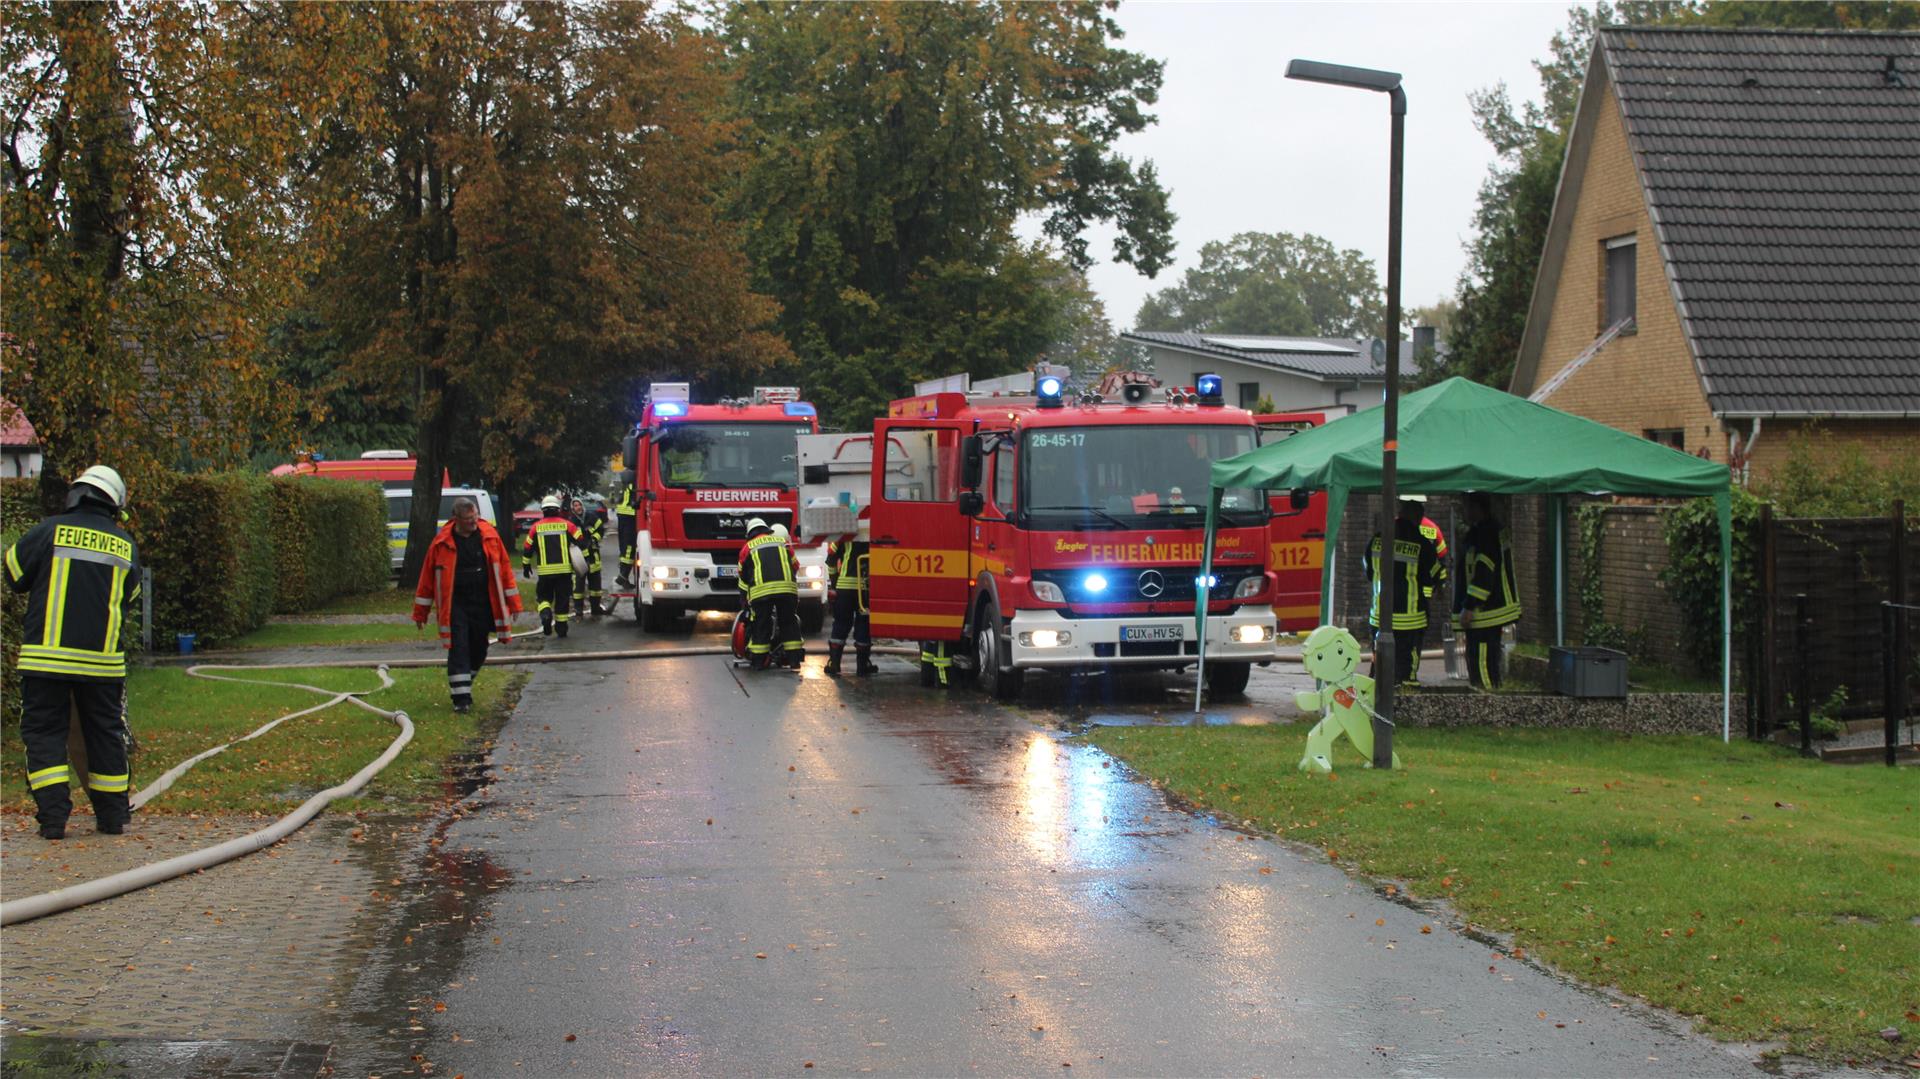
(229, 549)
(208, 538)
(330, 538)
(19, 510)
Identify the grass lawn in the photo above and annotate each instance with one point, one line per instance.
(294, 634)
(384, 601)
(175, 716)
(1772, 897)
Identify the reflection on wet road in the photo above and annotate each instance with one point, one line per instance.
(865, 876)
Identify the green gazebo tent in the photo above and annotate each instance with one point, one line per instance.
(1462, 436)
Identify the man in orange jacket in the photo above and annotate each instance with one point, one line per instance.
(468, 577)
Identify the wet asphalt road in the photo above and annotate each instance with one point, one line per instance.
(690, 877)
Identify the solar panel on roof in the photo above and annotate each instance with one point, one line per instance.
(1281, 344)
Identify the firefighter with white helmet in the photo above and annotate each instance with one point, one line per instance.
(770, 587)
(548, 554)
(81, 573)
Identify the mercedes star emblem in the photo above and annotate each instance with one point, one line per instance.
(1152, 584)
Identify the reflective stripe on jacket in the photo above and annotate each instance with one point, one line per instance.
(545, 550)
(1414, 562)
(1491, 595)
(848, 560)
(767, 569)
(82, 575)
(435, 589)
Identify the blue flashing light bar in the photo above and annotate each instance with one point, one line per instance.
(1206, 582)
(669, 408)
(1094, 582)
(800, 408)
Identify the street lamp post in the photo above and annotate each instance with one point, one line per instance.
(1386, 82)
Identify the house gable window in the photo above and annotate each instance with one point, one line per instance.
(1617, 280)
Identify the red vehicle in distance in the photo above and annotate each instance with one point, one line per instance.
(1297, 532)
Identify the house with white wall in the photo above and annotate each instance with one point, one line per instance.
(1295, 373)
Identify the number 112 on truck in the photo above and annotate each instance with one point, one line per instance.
(1029, 528)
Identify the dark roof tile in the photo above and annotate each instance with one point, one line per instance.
(1782, 169)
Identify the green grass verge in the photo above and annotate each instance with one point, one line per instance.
(175, 716)
(296, 634)
(384, 601)
(1773, 898)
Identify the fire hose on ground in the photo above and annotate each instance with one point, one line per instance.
(38, 906)
(78, 895)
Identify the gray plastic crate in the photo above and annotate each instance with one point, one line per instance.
(1587, 672)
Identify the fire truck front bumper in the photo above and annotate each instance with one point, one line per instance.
(1046, 638)
(693, 581)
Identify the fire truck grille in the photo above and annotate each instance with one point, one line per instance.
(1158, 584)
(728, 524)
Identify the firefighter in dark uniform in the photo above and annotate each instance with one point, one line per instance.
(548, 554)
(626, 532)
(769, 585)
(1488, 599)
(847, 569)
(1432, 531)
(1414, 568)
(82, 576)
(594, 528)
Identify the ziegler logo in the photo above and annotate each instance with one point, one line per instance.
(727, 495)
(1061, 546)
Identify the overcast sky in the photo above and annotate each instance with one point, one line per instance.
(1240, 147)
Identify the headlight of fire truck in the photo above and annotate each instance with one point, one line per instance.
(1045, 638)
(1048, 592)
(1252, 633)
(813, 572)
(1250, 587)
(661, 573)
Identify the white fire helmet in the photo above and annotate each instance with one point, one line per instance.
(551, 502)
(781, 531)
(755, 525)
(106, 481)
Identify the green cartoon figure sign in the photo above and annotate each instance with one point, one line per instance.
(1345, 698)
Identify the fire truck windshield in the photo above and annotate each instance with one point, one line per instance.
(1131, 476)
(729, 454)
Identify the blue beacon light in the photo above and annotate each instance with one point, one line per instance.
(1094, 582)
(669, 408)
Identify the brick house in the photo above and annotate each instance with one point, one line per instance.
(1744, 206)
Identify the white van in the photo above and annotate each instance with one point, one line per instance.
(400, 514)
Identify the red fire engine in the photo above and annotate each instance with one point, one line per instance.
(1297, 533)
(701, 472)
(1051, 530)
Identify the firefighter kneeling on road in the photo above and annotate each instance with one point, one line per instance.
(847, 565)
(770, 588)
(468, 577)
(548, 553)
(82, 576)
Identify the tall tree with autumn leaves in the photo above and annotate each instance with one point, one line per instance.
(894, 146)
(160, 209)
(537, 233)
